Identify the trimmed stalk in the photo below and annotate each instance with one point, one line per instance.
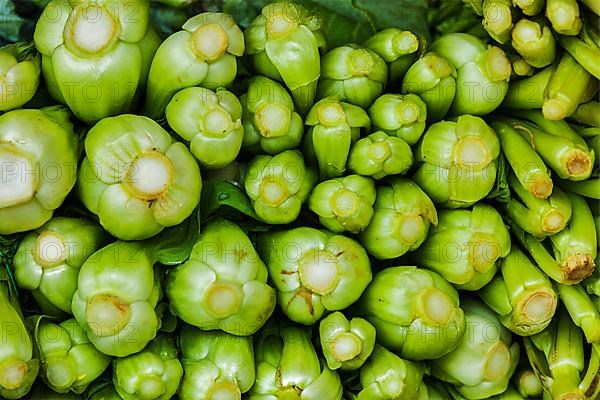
(582, 310)
(379, 155)
(564, 16)
(528, 93)
(534, 42)
(20, 67)
(399, 115)
(588, 113)
(497, 19)
(398, 48)
(530, 7)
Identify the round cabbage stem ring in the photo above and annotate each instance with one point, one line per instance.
(331, 114)
(272, 119)
(407, 112)
(539, 184)
(282, 19)
(12, 374)
(345, 346)
(497, 362)
(223, 299)
(319, 271)
(537, 306)
(553, 221)
(50, 249)
(150, 386)
(410, 228)
(344, 203)
(149, 176)
(217, 122)
(107, 315)
(436, 306)
(273, 192)
(92, 29)
(405, 42)
(61, 373)
(472, 152)
(19, 180)
(380, 151)
(361, 62)
(224, 390)
(210, 42)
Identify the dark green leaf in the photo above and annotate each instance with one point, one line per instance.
(10, 22)
(501, 190)
(224, 196)
(174, 245)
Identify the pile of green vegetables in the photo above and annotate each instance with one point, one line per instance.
(298, 201)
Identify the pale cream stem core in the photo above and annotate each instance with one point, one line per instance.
(331, 114)
(380, 151)
(361, 62)
(471, 152)
(92, 29)
(107, 315)
(436, 306)
(50, 249)
(497, 362)
(319, 271)
(210, 42)
(273, 120)
(344, 203)
(410, 228)
(12, 374)
(273, 192)
(150, 176)
(553, 221)
(224, 390)
(345, 346)
(217, 122)
(223, 299)
(19, 179)
(538, 307)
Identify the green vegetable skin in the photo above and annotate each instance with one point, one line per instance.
(135, 172)
(346, 344)
(379, 155)
(117, 292)
(387, 376)
(486, 348)
(466, 246)
(399, 115)
(48, 260)
(332, 128)
(216, 364)
(278, 185)
(205, 49)
(401, 221)
(353, 74)
(20, 67)
(344, 204)
(152, 374)
(314, 271)
(457, 161)
(284, 43)
(416, 312)
(288, 367)
(223, 283)
(18, 367)
(38, 154)
(270, 121)
(210, 121)
(95, 65)
(69, 362)
(398, 48)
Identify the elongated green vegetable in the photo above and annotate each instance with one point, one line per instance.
(588, 113)
(386, 376)
(346, 344)
(527, 165)
(497, 19)
(401, 221)
(433, 78)
(223, 283)
(38, 154)
(48, 260)
(205, 48)
(18, 367)
(278, 185)
(530, 7)
(117, 292)
(314, 271)
(344, 204)
(152, 374)
(487, 348)
(20, 67)
(217, 365)
(69, 361)
(538, 217)
(332, 128)
(521, 295)
(457, 161)
(287, 366)
(210, 121)
(398, 48)
(270, 121)
(379, 155)
(527, 383)
(135, 172)
(567, 88)
(466, 246)
(96, 56)
(534, 42)
(482, 73)
(284, 43)
(561, 147)
(528, 93)
(416, 312)
(582, 310)
(353, 74)
(400, 115)
(564, 16)
(557, 356)
(573, 250)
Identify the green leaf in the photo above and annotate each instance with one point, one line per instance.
(10, 22)
(501, 190)
(222, 197)
(174, 245)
